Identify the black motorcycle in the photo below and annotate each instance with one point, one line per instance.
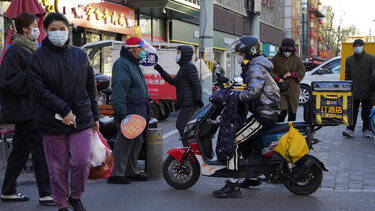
(184, 165)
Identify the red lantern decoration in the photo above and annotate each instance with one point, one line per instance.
(311, 16)
(311, 34)
(320, 21)
(320, 38)
(311, 50)
(320, 53)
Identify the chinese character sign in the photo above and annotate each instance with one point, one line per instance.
(132, 126)
(150, 59)
(104, 16)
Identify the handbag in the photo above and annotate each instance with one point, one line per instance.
(283, 85)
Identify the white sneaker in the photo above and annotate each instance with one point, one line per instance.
(46, 200)
(366, 134)
(348, 133)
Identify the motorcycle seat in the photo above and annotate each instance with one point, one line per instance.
(285, 127)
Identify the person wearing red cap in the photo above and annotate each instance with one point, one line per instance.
(358, 68)
(288, 72)
(129, 96)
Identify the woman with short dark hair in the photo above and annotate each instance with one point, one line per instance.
(15, 86)
(66, 113)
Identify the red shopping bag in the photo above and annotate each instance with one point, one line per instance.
(104, 170)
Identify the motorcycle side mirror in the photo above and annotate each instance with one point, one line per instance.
(221, 79)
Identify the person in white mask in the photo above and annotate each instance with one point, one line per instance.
(358, 68)
(288, 72)
(64, 86)
(15, 93)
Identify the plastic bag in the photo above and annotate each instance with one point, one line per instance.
(98, 151)
(105, 169)
(292, 146)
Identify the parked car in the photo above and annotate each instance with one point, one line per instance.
(328, 71)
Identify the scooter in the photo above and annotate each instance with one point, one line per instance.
(183, 166)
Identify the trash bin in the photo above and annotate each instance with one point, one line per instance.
(332, 103)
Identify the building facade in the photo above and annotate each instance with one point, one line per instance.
(311, 21)
(272, 25)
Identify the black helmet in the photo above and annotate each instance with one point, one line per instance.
(250, 45)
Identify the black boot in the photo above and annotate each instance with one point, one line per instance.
(249, 183)
(76, 204)
(230, 190)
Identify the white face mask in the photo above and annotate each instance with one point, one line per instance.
(178, 57)
(239, 59)
(358, 50)
(34, 34)
(58, 38)
(287, 54)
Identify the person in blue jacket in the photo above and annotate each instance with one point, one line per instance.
(129, 96)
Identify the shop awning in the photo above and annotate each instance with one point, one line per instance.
(18, 6)
(172, 8)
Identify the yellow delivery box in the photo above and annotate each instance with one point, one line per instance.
(332, 103)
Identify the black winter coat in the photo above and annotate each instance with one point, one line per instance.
(359, 68)
(15, 85)
(188, 86)
(63, 81)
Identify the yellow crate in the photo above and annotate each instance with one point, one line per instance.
(347, 50)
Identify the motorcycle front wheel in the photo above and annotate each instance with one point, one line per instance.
(309, 183)
(180, 175)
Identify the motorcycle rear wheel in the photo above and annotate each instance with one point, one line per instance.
(180, 177)
(309, 183)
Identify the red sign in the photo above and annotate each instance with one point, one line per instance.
(147, 37)
(158, 88)
(324, 54)
(268, 3)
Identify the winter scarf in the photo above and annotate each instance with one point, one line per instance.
(19, 39)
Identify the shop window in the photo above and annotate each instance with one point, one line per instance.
(145, 24)
(107, 60)
(95, 62)
(158, 26)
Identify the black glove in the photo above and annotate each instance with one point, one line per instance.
(158, 68)
(199, 103)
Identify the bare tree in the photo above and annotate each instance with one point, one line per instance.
(332, 36)
(328, 31)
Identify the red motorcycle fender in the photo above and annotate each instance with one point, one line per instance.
(178, 152)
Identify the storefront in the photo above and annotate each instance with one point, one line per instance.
(269, 50)
(271, 25)
(93, 20)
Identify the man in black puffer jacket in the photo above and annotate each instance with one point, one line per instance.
(358, 68)
(188, 86)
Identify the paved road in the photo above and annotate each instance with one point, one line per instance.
(350, 186)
